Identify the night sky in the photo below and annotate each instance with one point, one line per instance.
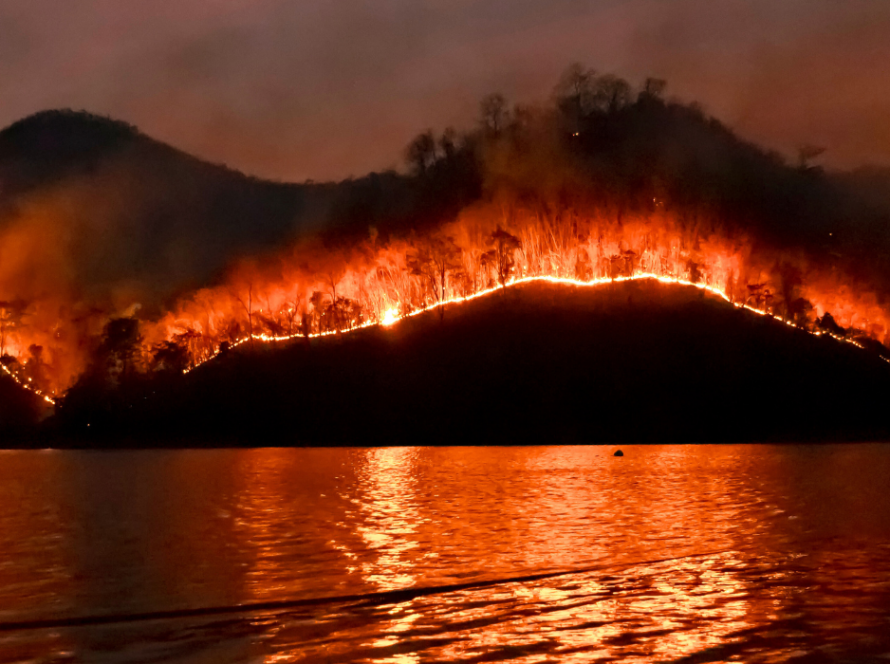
(321, 89)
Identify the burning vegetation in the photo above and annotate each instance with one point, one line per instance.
(603, 183)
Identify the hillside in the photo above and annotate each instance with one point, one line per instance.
(137, 215)
(100, 225)
(536, 364)
(20, 412)
(138, 212)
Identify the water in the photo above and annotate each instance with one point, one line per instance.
(677, 554)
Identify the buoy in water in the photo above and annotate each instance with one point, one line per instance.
(618, 453)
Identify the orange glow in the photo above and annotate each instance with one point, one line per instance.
(390, 316)
(28, 386)
(312, 291)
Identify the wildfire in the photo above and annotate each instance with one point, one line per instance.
(390, 316)
(26, 384)
(313, 292)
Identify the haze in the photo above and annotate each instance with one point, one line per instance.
(315, 89)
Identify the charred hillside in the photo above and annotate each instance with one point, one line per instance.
(536, 364)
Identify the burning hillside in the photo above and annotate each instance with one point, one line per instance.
(537, 363)
(605, 183)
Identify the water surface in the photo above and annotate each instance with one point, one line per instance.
(671, 553)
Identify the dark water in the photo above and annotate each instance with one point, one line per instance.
(677, 554)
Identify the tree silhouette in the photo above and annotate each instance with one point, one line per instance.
(611, 93)
(493, 109)
(501, 256)
(120, 344)
(574, 93)
(828, 324)
(421, 152)
(170, 357)
(433, 259)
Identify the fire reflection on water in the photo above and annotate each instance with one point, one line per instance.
(710, 553)
(565, 513)
(385, 516)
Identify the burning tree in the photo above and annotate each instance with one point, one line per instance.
(502, 256)
(12, 315)
(433, 259)
(36, 368)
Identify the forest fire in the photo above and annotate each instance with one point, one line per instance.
(310, 293)
(406, 278)
(563, 194)
(379, 283)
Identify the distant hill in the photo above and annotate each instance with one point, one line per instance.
(160, 221)
(537, 364)
(146, 213)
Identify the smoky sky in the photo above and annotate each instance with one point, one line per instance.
(325, 89)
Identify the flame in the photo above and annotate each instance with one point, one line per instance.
(390, 316)
(311, 291)
(370, 279)
(27, 384)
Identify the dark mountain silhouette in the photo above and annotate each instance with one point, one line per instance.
(537, 364)
(147, 215)
(145, 212)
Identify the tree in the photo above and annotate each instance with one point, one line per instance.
(321, 307)
(12, 314)
(36, 367)
(120, 343)
(170, 357)
(433, 259)
(247, 305)
(574, 92)
(800, 311)
(421, 152)
(189, 339)
(611, 93)
(790, 278)
(828, 324)
(347, 313)
(501, 256)
(448, 144)
(653, 90)
(494, 113)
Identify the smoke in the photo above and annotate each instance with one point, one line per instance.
(212, 256)
(326, 90)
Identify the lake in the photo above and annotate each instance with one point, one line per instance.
(755, 553)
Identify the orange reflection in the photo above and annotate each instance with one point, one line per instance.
(385, 517)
